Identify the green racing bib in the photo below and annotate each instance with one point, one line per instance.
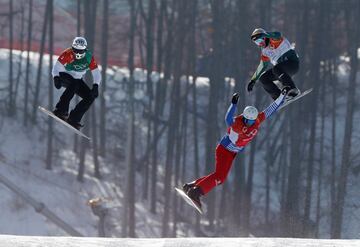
(80, 65)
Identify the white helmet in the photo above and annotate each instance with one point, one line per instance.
(258, 33)
(250, 113)
(79, 46)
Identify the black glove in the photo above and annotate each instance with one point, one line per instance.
(95, 90)
(250, 85)
(235, 98)
(285, 90)
(57, 82)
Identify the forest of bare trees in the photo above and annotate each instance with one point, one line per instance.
(292, 181)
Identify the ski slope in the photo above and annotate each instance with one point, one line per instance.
(20, 241)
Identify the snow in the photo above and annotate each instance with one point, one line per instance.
(20, 241)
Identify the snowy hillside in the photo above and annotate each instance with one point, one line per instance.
(22, 162)
(17, 241)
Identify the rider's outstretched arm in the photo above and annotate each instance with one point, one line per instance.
(264, 63)
(272, 108)
(229, 117)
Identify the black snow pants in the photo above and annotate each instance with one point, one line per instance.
(74, 86)
(287, 67)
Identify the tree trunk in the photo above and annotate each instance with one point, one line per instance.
(160, 91)
(39, 70)
(11, 41)
(290, 207)
(51, 89)
(78, 17)
(346, 149)
(19, 73)
(321, 157)
(94, 142)
(315, 77)
(27, 83)
(104, 57)
(173, 130)
(128, 226)
(333, 149)
(149, 28)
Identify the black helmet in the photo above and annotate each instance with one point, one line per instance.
(258, 33)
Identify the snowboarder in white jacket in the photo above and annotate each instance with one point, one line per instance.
(278, 51)
(68, 72)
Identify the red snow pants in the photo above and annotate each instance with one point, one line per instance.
(223, 162)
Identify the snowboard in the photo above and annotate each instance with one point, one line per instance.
(49, 113)
(189, 200)
(295, 98)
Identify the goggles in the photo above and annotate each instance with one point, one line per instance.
(78, 51)
(259, 41)
(249, 122)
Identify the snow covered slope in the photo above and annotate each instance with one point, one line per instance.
(20, 241)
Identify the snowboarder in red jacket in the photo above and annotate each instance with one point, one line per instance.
(68, 72)
(241, 130)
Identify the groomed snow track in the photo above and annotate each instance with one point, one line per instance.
(31, 241)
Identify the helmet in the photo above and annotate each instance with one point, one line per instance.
(250, 113)
(79, 46)
(258, 33)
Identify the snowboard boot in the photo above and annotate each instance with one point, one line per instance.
(194, 193)
(76, 125)
(61, 114)
(292, 93)
(186, 187)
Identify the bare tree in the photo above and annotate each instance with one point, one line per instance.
(11, 41)
(29, 39)
(20, 61)
(291, 208)
(353, 35)
(174, 114)
(104, 58)
(161, 89)
(128, 225)
(315, 76)
(39, 69)
(49, 154)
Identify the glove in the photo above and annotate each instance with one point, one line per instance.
(66, 79)
(57, 82)
(235, 98)
(285, 90)
(95, 91)
(250, 85)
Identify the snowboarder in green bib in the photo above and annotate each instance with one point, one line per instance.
(278, 51)
(68, 72)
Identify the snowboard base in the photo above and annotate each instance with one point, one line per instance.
(50, 114)
(189, 200)
(296, 98)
